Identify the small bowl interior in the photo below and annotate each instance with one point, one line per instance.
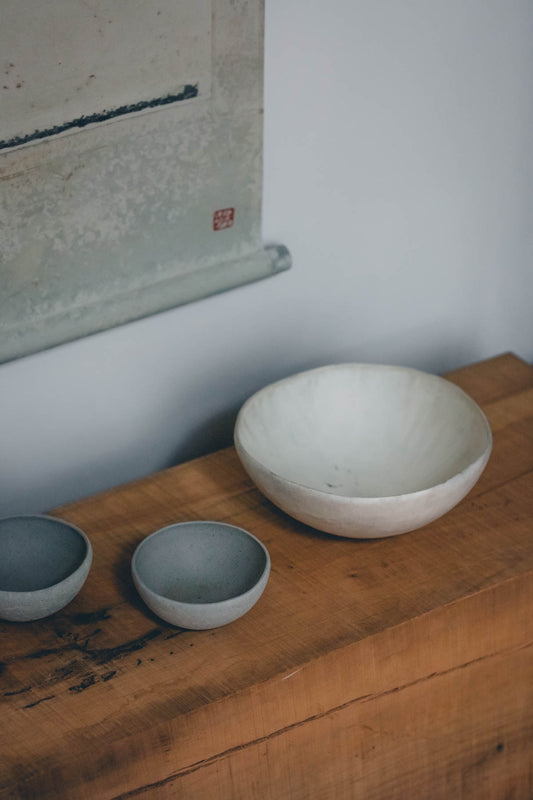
(363, 430)
(200, 562)
(38, 552)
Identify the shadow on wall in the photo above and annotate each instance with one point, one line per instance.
(213, 434)
(184, 420)
(216, 431)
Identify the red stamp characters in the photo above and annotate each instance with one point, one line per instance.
(223, 218)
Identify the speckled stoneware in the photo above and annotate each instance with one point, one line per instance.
(200, 575)
(363, 450)
(43, 565)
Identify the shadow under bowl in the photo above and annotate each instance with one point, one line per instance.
(200, 575)
(44, 562)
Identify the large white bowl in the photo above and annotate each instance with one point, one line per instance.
(363, 450)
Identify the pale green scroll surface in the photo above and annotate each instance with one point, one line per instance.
(130, 162)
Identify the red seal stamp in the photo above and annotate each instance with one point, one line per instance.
(223, 218)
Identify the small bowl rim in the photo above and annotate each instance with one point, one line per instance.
(211, 603)
(368, 500)
(86, 558)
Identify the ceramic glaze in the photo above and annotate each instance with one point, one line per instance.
(43, 565)
(202, 574)
(363, 450)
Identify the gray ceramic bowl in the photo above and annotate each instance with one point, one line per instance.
(200, 575)
(43, 565)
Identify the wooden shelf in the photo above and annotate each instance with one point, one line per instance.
(393, 668)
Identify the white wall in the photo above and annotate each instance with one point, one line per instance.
(397, 169)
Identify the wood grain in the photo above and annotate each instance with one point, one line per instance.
(394, 668)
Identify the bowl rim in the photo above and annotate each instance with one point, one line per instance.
(472, 466)
(86, 561)
(190, 523)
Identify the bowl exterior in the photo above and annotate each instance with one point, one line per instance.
(362, 517)
(31, 606)
(201, 616)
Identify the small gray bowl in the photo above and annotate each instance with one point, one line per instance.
(200, 575)
(43, 565)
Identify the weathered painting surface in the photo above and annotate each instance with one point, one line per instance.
(130, 161)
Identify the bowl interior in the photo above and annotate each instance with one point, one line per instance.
(38, 552)
(200, 562)
(363, 430)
